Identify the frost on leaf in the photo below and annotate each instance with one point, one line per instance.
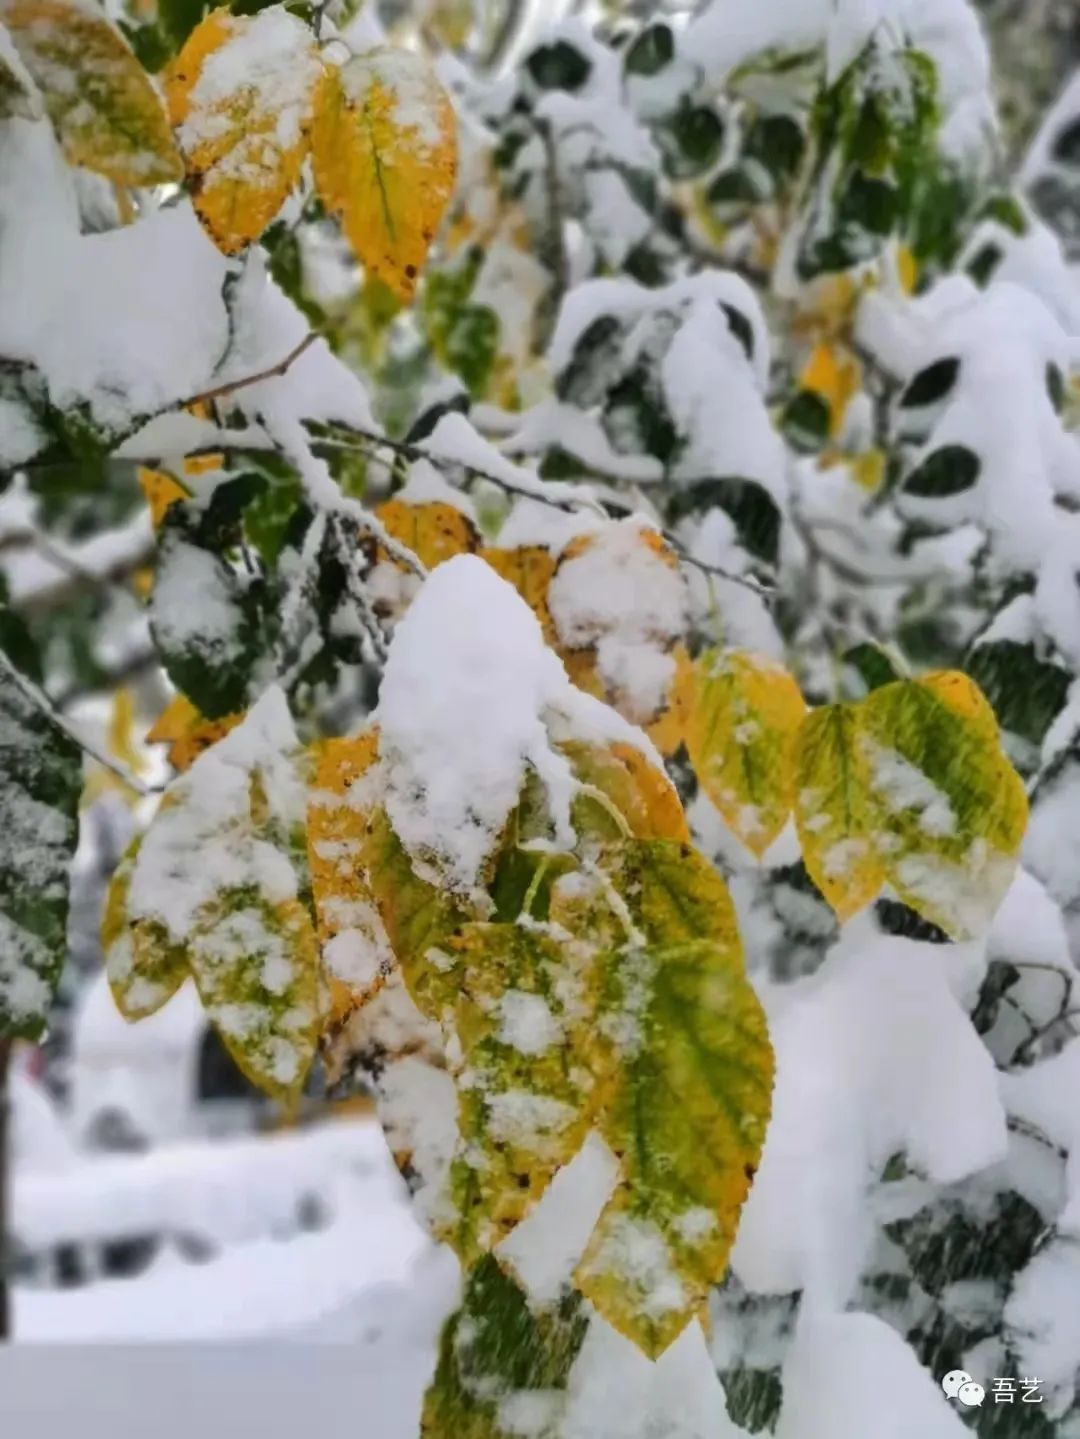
(40, 784)
(240, 95)
(743, 715)
(355, 950)
(682, 1043)
(524, 1101)
(144, 965)
(105, 109)
(384, 153)
(503, 1363)
(619, 605)
(222, 874)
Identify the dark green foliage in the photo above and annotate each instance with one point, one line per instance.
(1026, 692)
(872, 665)
(40, 785)
(691, 139)
(559, 66)
(752, 509)
(805, 422)
(932, 384)
(650, 51)
(948, 471)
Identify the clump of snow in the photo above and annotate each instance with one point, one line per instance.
(875, 1054)
(268, 67)
(469, 693)
(625, 598)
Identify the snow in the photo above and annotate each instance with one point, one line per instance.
(849, 1376)
(628, 600)
(875, 1054)
(468, 695)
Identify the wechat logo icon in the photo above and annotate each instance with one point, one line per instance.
(958, 1384)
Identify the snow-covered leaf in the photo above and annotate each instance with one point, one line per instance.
(144, 965)
(503, 1361)
(40, 784)
(104, 107)
(743, 715)
(355, 950)
(951, 810)
(683, 1043)
(524, 1101)
(222, 874)
(240, 94)
(186, 732)
(384, 152)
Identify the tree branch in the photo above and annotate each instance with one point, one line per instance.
(230, 387)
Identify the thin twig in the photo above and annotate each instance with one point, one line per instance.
(42, 703)
(230, 387)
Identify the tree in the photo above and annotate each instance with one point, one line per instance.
(610, 724)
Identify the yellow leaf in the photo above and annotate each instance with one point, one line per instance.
(384, 153)
(356, 952)
(240, 94)
(950, 810)
(834, 811)
(434, 530)
(183, 729)
(144, 967)
(907, 267)
(529, 569)
(682, 1044)
(104, 107)
(835, 375)
(743, 715)
(161, 491)
(121, 739)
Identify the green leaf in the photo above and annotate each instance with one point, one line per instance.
(950, 470)
(40, 785)
(500, 1358)
(932, 384)
(651, 50)
(559, 66)
(872, 665)
(692, 140)
(806, 421)
(1027, 692)
(753, 511)
(144, 966)
(777, 142)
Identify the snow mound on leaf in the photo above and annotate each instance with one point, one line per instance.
(471, 698)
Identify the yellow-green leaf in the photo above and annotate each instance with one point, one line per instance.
(743, 715)
(144, 966)
(256, 965)
(222, 873)
(240, 94)
(356, 952)
(524, 1099)
(420, 919)
(950, 810)
(683, 1046)
(834, 810)
(384, 153)
(105, 109)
